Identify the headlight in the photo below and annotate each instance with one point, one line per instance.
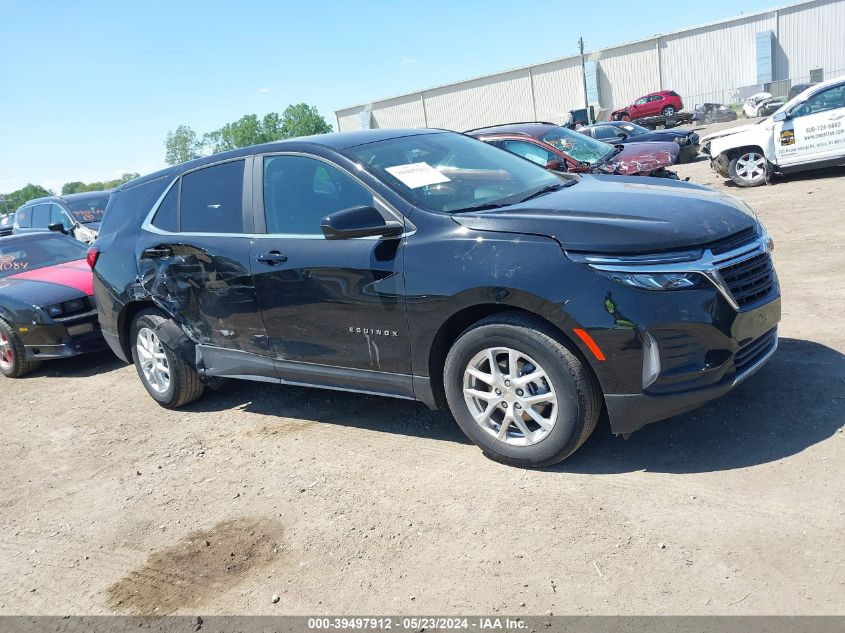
(654, 274)
(682, 140)
(68, 307)
(658, 281)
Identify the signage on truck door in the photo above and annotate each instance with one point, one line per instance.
(814, 131)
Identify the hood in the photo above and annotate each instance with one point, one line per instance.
(644, 158)
(622, 215)
(731, 131)
(52, 284)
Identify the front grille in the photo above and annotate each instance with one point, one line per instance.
(751, 353)
(750, 280)
(733, 241)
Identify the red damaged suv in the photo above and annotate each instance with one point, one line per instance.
(664, 102)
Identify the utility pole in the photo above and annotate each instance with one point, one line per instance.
(584, 77)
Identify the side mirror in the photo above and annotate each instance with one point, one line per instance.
(58, 227)
(360, 221)
(780, 116)
(555, 165)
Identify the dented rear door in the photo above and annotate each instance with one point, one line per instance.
(194, 258)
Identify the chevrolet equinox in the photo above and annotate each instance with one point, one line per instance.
(427, 265)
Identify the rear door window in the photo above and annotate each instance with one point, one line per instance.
(41, 216)
(212, 199)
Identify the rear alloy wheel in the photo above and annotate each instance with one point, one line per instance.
(749, 169)
(170, 380)
(669, 111)
(13, 360)
(518, 393)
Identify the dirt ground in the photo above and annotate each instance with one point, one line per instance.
(346, 504)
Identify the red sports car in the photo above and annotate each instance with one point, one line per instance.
(665, 103)
(46, 303)
(561, 149)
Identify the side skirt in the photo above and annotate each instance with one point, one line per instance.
(217, 362)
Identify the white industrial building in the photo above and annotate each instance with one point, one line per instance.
(721, 62)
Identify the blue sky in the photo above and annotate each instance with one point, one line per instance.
(88, 90)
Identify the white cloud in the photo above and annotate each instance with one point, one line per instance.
(408, 61)
(263, 90)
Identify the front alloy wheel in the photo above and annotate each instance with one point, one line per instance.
(518, 392)
(749, 169)
(510, 396)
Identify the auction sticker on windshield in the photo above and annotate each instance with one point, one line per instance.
(417, 175)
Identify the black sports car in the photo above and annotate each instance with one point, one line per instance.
(621, 132)
(46, 307)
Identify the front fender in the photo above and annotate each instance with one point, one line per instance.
(761, 138)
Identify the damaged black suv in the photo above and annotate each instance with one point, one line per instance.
(427, 265)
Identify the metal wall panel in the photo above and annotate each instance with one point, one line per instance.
(479, 102)
(627, 72)
(708, 63)
(558, 88)
(813, 37)
(404, 111)
(347, 120)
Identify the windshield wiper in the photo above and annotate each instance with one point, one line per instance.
(548, 189)
(482, 207)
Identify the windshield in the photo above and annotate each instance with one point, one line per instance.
(579, 146)
(451, 172)
(17, 256)
(88, 210)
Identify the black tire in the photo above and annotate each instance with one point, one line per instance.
(575, 419)
(185, 385)
(669, 111)
(742, 177)
(18, 364)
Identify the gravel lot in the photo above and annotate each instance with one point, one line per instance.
(339, 503)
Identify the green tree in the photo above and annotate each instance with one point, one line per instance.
(302, 120)
(73, 187)
(79, 187)
(25, 194)
(182, 144)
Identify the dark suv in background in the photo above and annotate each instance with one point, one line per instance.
(427, 265)
(76, 214)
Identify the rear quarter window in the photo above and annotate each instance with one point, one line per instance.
(129, 207)
(23, 218)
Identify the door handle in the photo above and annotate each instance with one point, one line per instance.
(834, 117)
(272, 258)
(158, 252)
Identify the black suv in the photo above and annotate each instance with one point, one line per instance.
(430, 266)
(75, 214)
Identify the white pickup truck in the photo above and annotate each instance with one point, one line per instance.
(807, 132)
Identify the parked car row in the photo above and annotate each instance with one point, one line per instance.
(77, 214)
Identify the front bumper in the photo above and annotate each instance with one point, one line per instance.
(705, 345)
(63, 338)
(631, 412)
